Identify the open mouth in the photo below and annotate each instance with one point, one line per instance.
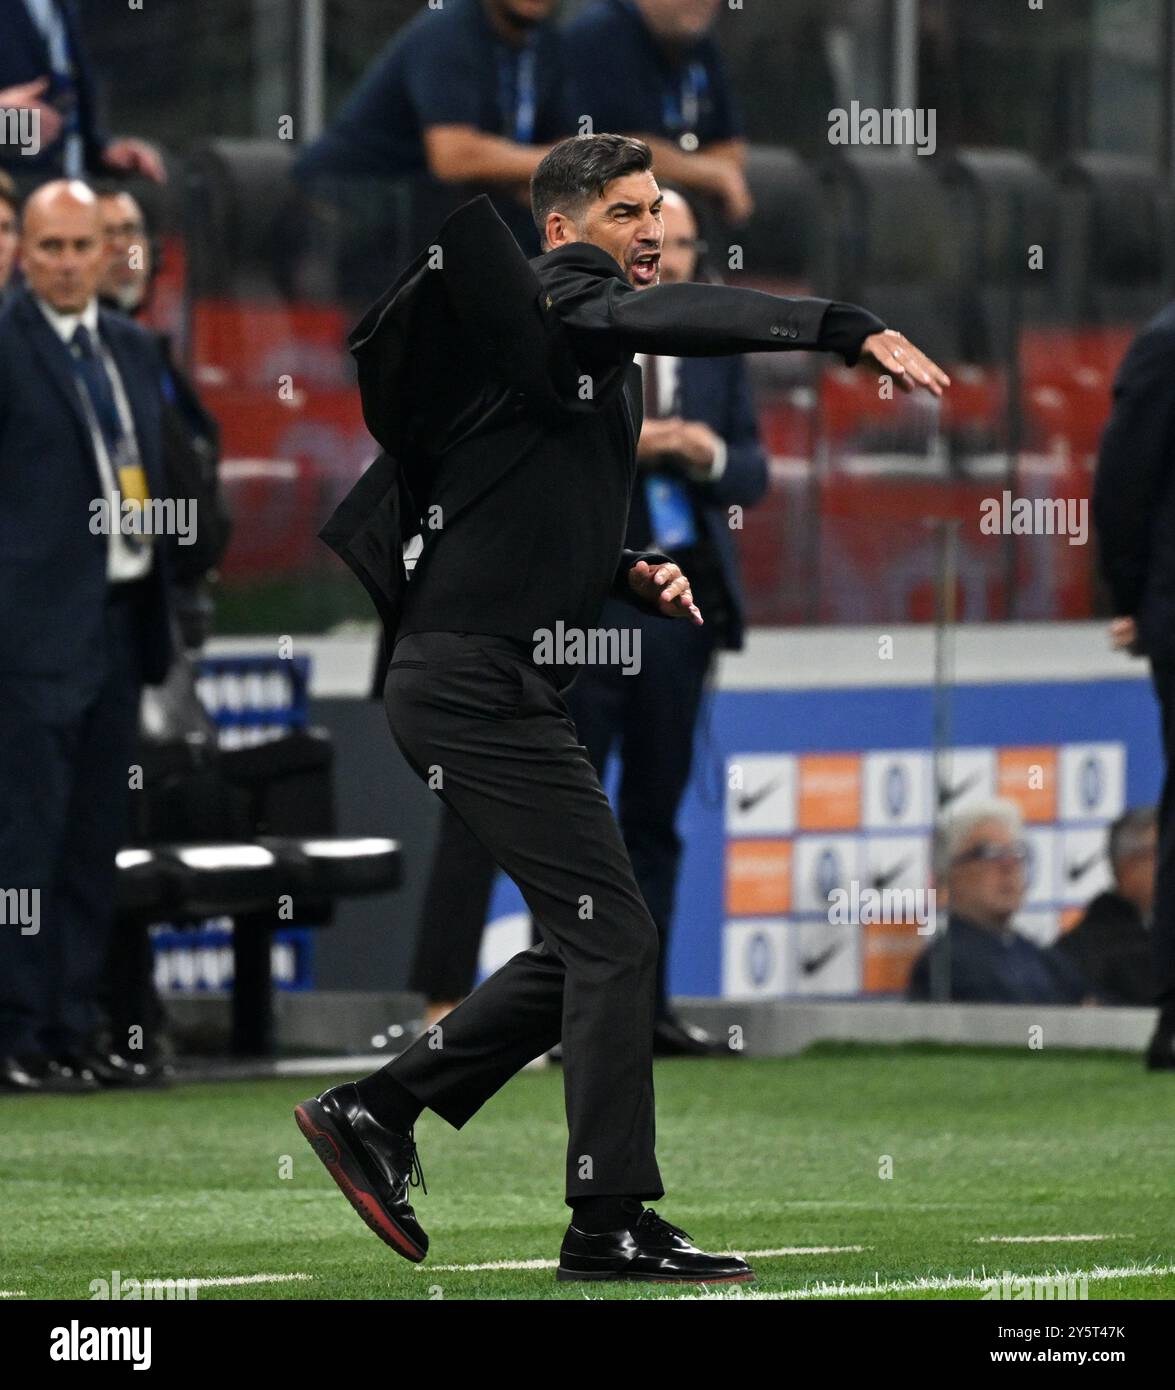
(645, 267)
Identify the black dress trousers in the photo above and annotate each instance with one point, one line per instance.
(489, 731)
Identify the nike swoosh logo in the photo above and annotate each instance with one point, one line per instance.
(815, 963)
(948, 794)
(750, 800)
(885, 878)
(1082, 867)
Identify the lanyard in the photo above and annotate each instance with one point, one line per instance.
(680, 110)
(517, 87)
(683, 109)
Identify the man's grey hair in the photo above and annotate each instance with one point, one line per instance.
(1129, 832)
(954, 834)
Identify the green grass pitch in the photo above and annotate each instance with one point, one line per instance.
(215, 1181)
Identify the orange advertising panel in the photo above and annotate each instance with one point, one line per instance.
(890, 950)
(758, 877)
(830, 791)
(1028, 776)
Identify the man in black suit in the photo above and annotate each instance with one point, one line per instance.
(44, 69)
(83, 623)
(510, 394)
(700, 464)
(1134, 515)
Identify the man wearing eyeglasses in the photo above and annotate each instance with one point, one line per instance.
(981, 860)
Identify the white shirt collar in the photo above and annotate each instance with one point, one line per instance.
(65, 324)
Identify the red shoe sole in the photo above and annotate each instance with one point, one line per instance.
(337, 1160)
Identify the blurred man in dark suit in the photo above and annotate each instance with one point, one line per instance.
(191, 437)
(1111, 945)
(83, 623)
(1134, 516)
(701, 465)
(44, 69)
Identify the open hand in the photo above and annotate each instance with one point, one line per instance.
(892, 354)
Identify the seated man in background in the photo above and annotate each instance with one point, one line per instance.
(653, 69)
(1111, 945)
(467, 96)
(980, 859)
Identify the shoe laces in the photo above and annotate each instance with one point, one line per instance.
(415, 1171)
(651, 1222)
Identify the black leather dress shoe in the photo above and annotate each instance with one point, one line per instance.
(110, 1069)
(373, 1166)
(69, 1075)
(1160, 1054)
(22, 1075)
(652, 1250)
(673, 1038)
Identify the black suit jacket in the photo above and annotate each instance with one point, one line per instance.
(475, 360)
(1134, 488)
(1113, 949)
(53, 583)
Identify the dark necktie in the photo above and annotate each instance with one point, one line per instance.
(92, 373)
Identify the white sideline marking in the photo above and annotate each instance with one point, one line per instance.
(949, 1282)
(13, 1293)
(490, 1264)
(1040, 1240)
(227, 1281)
(554, 1264)
(798, 1250)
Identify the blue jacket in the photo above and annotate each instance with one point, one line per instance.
(989, 969)
(53, 583)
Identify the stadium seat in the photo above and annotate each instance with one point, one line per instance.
(785, 242)
(1003, 203)
(283, 866)
(240, 201)
(891, 250)
(1119, 217)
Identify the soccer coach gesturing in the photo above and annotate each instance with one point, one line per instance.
(507, 399)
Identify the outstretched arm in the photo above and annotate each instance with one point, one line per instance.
(603, 313)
